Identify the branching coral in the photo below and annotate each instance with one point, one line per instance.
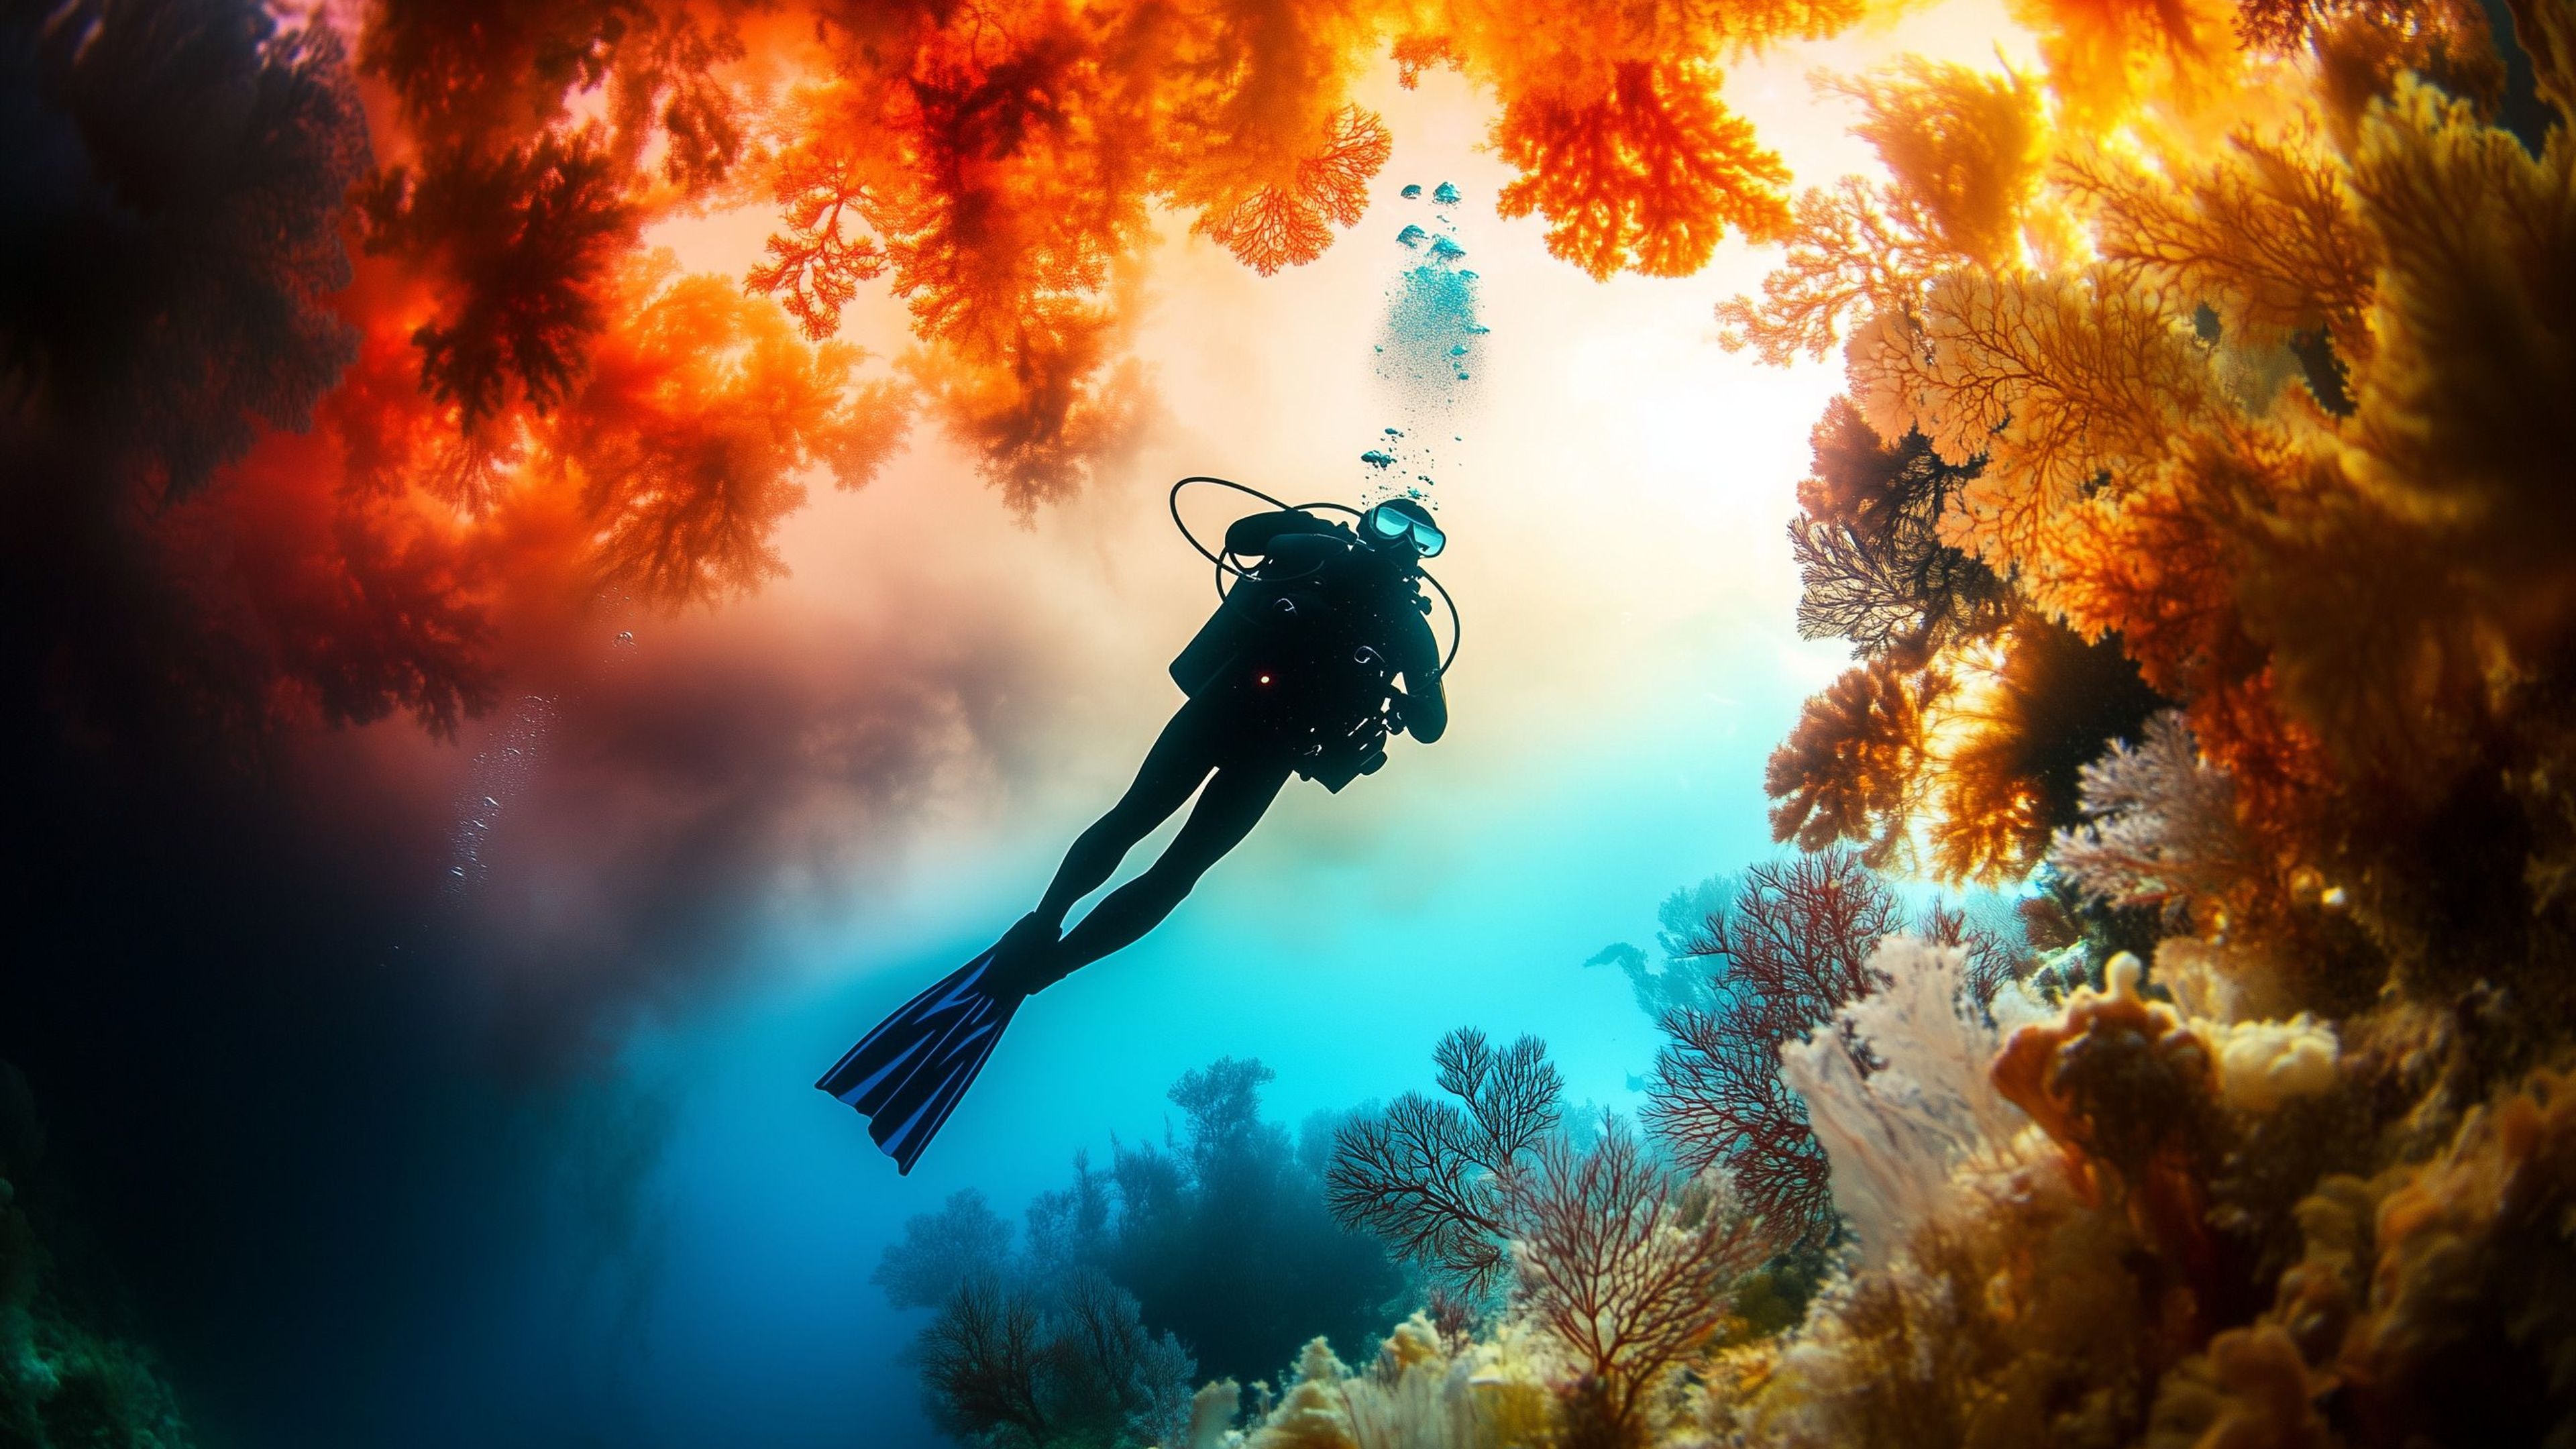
(1792, 947)
(1646, 178)
(1871, 566)
(1434, 1181)
(2160, 827)
(999, 1361)
(2119, 381)
(1624, 1273)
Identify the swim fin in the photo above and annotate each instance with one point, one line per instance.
(906, 1076)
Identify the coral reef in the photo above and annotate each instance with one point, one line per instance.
(1772, 959)
(1620, 1268)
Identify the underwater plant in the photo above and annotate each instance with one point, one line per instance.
(1069, 1363)
(1623, 1272)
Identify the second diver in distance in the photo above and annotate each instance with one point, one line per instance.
(1322, 650)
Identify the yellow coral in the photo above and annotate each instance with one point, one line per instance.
(1312, 1414)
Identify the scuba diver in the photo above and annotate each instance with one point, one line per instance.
(1295, 673)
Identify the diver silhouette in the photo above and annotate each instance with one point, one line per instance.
(1294, 674)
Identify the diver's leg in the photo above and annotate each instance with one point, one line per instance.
(1231, 805)
(1181, 757)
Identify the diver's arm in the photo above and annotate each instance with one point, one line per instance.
(1422, 703)
(1253, 533)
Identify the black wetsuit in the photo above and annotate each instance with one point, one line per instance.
(1321, 629)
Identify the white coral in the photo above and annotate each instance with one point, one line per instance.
(1894, 1136)
(2161, 824)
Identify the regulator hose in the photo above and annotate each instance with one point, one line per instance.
(1225, 563)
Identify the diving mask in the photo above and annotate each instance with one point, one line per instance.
(1396, 518)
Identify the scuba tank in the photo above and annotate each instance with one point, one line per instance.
(1256, 614)
(1297, 648)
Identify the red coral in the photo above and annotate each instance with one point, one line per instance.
(1434, 1181)
(1791, 948)
(1627, 1274)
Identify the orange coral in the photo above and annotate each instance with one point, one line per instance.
(2122, 1085)
(1646, 176)
(1850, 769)
(698, 411)
(1286, 225)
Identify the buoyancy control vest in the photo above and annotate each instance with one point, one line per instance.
(1301, 641)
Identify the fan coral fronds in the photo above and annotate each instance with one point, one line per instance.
(529, 239)
(699, 408)
(1871, 566)
(1285, 224)
(2160, 825)
(2059, 382)
(2031, 709)
(1434, 1181)
(1851, 770)
(1622, 1270)
(1791, 948)
(999, 1361)
(1963, 148)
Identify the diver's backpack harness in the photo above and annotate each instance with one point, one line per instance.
(1269, 630)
